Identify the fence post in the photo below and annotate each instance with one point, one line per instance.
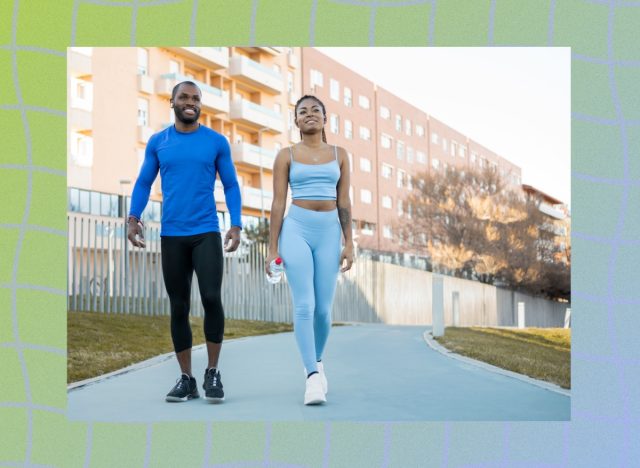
(567, 318)
(521, 315)
(455, 305)
(437, 308)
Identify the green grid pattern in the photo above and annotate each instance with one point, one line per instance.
(603, 35)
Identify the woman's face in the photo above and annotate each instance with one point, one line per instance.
(309, 116)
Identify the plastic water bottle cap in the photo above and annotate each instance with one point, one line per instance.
(278, 261)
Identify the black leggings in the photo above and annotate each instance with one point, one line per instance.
(181, 255)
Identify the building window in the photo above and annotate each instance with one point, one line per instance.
(400, 207)
(444, 145)
(365, 133)
(398, 122)
(350, 192)
(81, 149)
(277, 108)
(334, 89)
(348, 129)
(350, 163)
(174, 66)
(276, 68)
(421, 157)
(290, 87)
(365, 196)
(387, 202)
(434, 138)
(407, 127)
(316, 78)
(143, 112)
(143, 61)
(368, 229)
(363, 101)
(334, 123)
(385, 141)
(401, 178)
(290, 122)
(386, 232)
(347, 97)
(474, 156)
(81, 94)
(400, 149)
(454, 147)
(365, 165)
(409, 154)
(385, 113)
(462, 151)
(435, 163)
(419, 130)
(387, 171)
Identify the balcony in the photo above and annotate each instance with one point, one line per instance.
(252, 155)
(213, 99)
(79, 63)
(145, 84)
(80, 119)
(267, 50)
(256, 198)
(214, 57)
(293, 98)
(256, 116)
(293, 61)
(553, 211)
(252, 73)
(144, 133)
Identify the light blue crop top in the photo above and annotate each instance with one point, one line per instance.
(314, 181)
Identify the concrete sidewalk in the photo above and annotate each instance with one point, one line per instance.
(375, 373)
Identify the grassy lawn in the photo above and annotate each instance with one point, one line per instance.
(541, 353)
(101, 343)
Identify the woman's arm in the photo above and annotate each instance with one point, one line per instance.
(280, 185)
(344, 209)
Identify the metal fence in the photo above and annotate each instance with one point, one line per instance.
(106, 274)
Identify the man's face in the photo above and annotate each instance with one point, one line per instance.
(186, 104)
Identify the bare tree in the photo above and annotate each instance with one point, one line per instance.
(470, 225)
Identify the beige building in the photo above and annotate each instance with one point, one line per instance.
(119, 97)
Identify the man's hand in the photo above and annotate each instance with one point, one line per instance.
(232, 239)
(135, 228)
(346, 258)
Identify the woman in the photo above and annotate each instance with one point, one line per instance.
(308, 240)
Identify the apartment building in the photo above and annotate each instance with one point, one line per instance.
(119, 97)
(390, 143)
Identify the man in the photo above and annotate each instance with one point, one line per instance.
(188, 156)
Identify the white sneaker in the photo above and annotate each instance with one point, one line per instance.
(313, 394)
(323, 377)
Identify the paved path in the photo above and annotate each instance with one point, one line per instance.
(375, 372)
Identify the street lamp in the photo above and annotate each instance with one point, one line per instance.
(261, 182)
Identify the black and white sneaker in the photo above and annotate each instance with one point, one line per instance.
(185, 389)
(213, 386)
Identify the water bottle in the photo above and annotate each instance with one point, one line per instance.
(276, 268)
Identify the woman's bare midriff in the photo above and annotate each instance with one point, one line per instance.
(316, 205)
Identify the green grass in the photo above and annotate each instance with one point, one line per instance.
(99, 343)
(541, 353)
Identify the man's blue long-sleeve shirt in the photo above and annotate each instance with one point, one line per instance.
(188, 163)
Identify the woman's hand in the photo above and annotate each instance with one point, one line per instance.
(267, 263)
(346, 258)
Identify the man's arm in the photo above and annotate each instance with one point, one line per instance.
(227, 171)
(141, 191)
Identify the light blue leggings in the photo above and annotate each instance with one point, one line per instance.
(309, 246)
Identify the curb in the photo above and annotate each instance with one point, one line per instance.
(491, 368)
(154, 361)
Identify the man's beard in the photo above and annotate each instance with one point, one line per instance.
(185, 118)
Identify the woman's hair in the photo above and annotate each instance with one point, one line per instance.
(324, 111)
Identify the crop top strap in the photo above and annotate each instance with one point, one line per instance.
(335, 152)
(291, 153)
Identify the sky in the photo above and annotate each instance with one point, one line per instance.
(516, 101)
